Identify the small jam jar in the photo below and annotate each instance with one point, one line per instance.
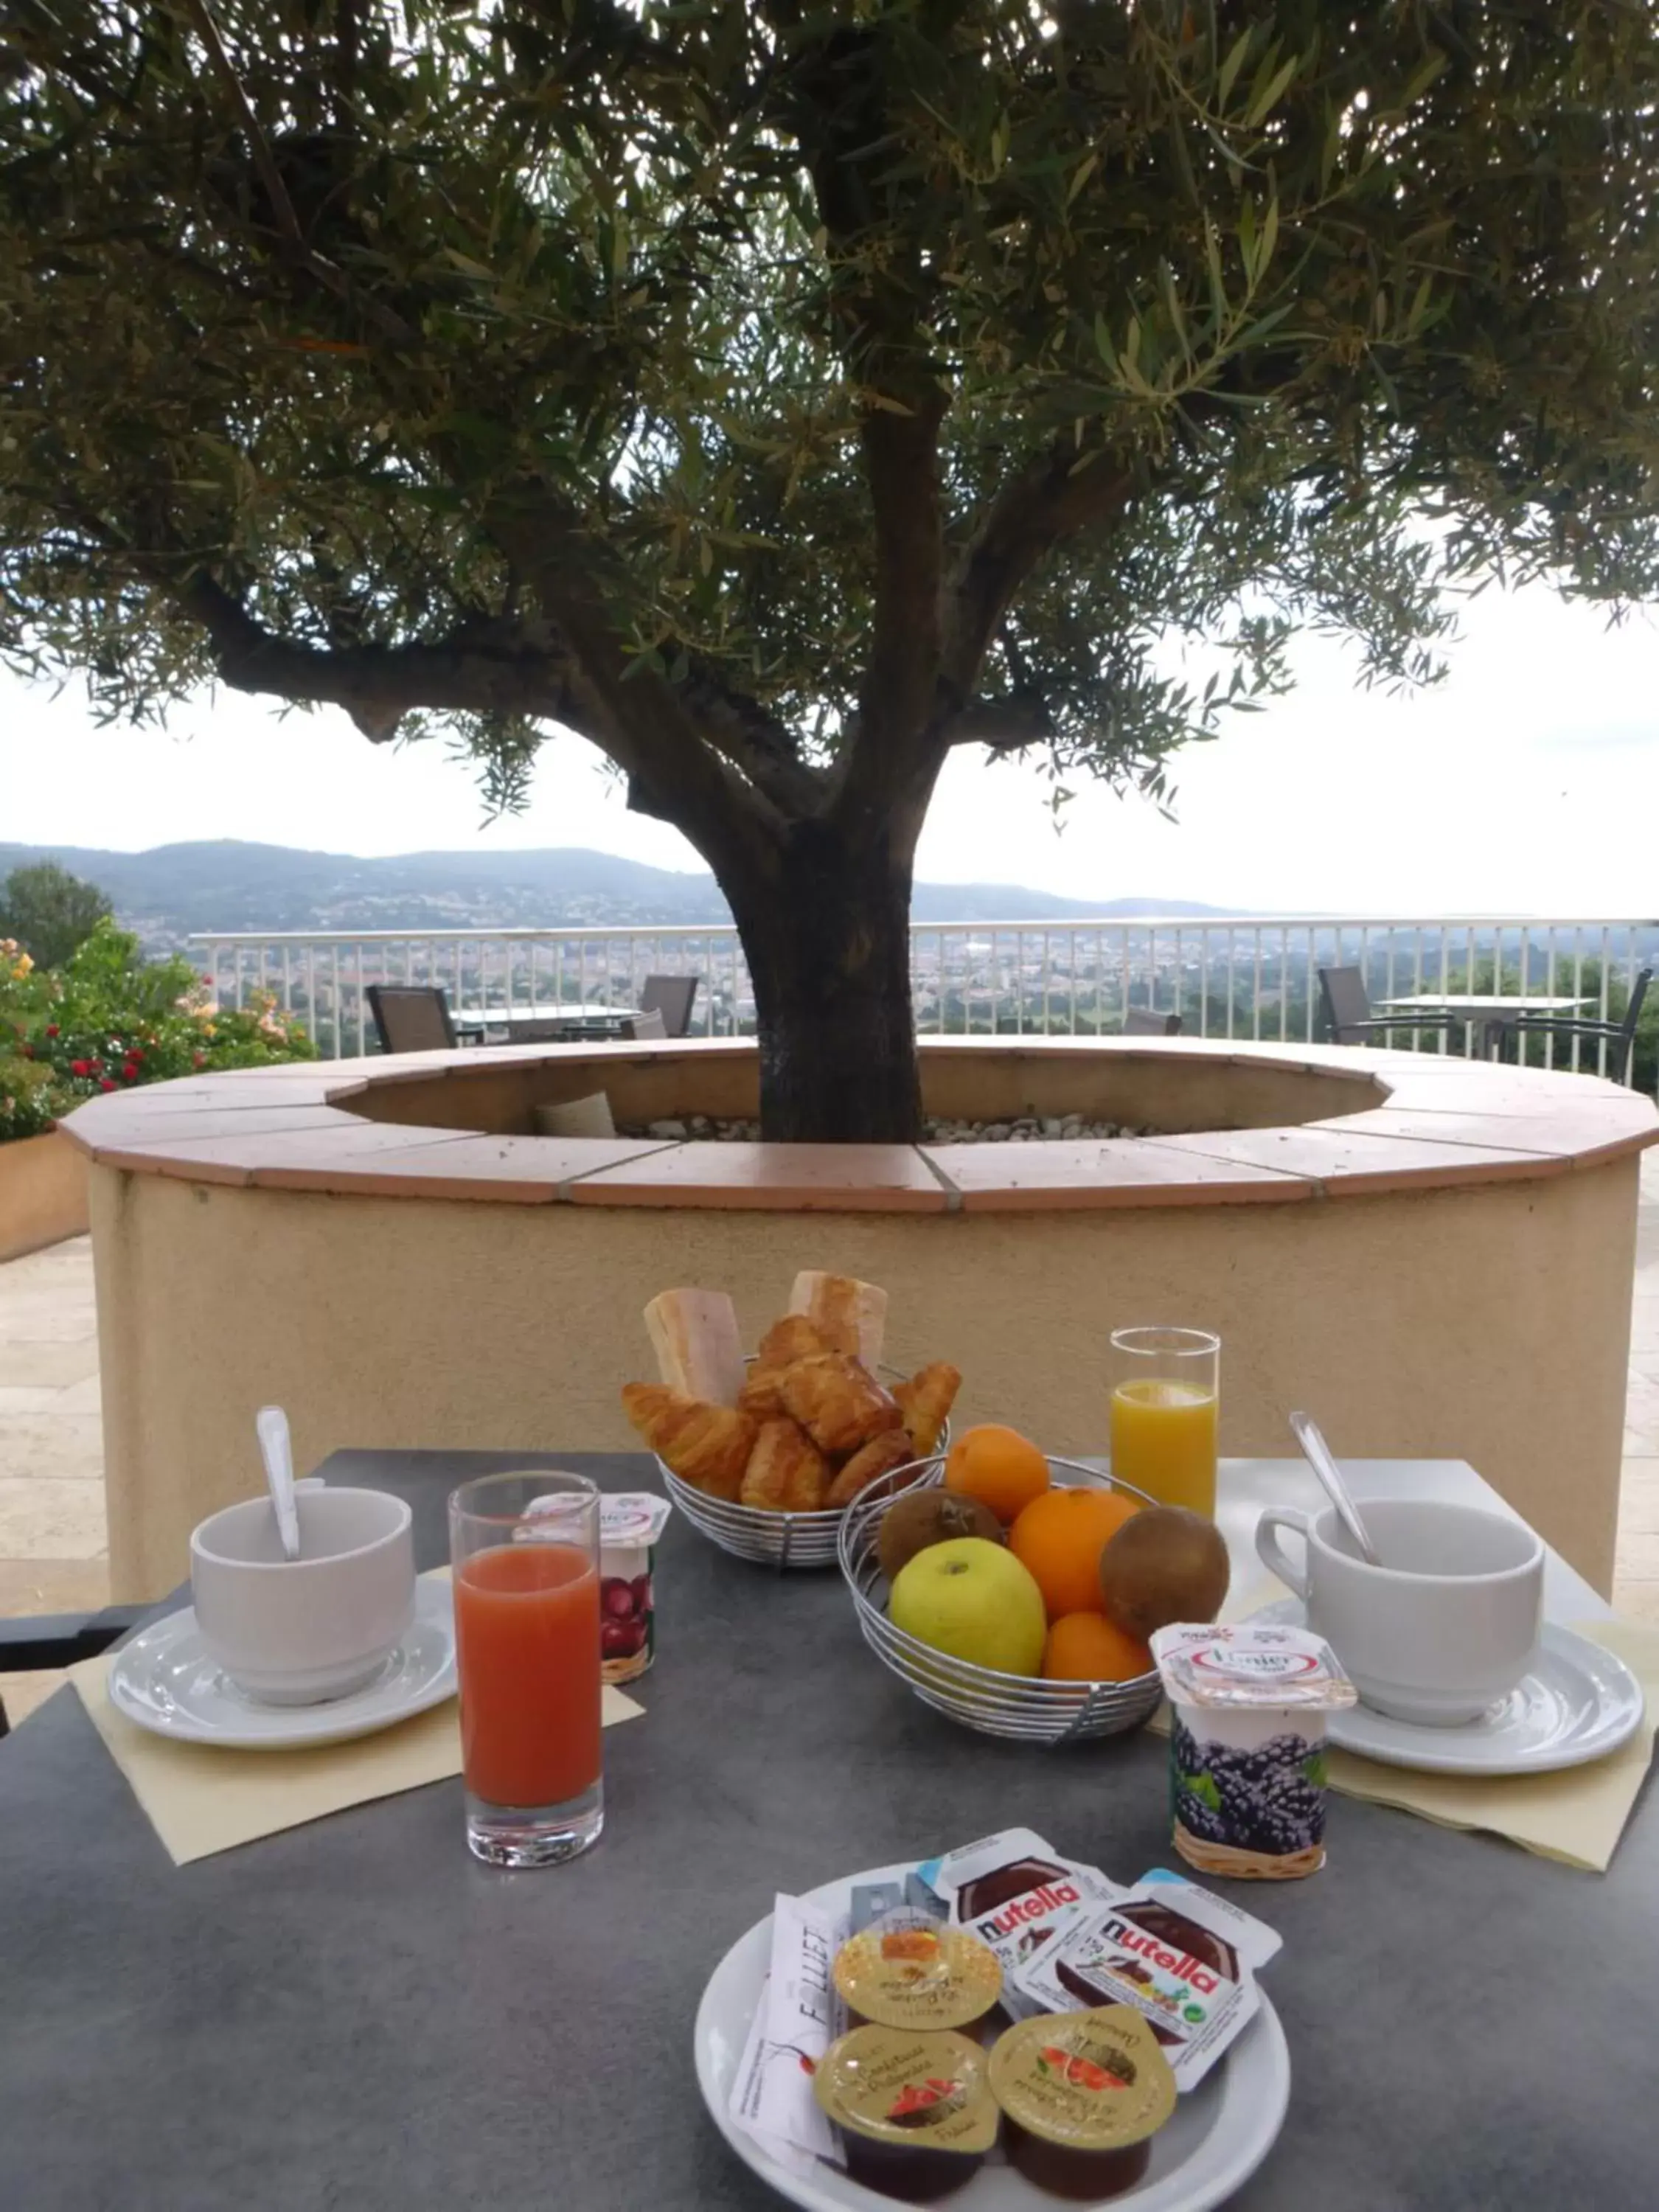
(1082, 2094)
(912, 2107)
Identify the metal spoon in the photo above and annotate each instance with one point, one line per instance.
(1319, 1457)
(277, 1449)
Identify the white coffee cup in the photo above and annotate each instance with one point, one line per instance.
(1444, 1628)
(300, 1631)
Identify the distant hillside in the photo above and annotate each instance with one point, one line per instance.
(174, 890)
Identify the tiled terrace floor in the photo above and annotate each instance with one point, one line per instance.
(53, 1553)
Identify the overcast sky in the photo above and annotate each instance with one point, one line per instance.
(1527, 782)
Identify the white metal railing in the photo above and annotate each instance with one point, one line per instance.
(1244, 975)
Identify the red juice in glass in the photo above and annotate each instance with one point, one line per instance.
(527, 1650)
(527, 1623)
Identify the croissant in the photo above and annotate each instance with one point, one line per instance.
(838, 1404)
(793, 1337)
(708, 1446)
(762, 1394)
(892, 1448)
(786, 1473)
(926, 1400)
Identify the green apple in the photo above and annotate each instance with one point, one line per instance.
(974, 1599)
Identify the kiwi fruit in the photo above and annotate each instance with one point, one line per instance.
(923, 1517)
(1164, 1564)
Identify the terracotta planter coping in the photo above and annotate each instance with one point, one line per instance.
(1419, 1122)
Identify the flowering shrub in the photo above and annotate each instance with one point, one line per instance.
(110, 1020)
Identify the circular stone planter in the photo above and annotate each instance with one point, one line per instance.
(1434, 1256)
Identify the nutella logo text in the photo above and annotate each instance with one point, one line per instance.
(1035, 1904)
(1181, 1963)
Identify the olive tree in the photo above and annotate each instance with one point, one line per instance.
(782, 395)
(50, 912)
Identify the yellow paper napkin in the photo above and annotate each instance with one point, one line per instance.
(1576, 1815)
(201, 1800)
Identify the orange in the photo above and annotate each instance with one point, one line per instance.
(1061, 1537)
(1086, 1647)
(998, 1467)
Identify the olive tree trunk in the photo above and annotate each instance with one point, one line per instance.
(827, 938)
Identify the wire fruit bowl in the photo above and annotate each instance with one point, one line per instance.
(1019, 1708)
(781, 1540)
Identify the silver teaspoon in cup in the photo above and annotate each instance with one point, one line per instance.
(1318, 1455)
(277, 1449)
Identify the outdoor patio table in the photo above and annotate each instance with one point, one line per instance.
(1487, 1013)
(356, 2014)
(523, 1024)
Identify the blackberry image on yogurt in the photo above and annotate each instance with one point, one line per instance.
(1269, 1802)
(1247, 1746)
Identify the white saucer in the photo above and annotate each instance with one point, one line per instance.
(1578, 1702)
(1219, 2134)
(165, 1681)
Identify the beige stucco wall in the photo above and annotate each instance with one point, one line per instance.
(1487, 1322)
(43, 1194)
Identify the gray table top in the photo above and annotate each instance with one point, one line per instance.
(355, 2017)
(1483, 1002)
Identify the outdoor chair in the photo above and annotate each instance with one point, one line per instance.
(1620, 1035)
(1141, 1021)
(1347, 1009)
(671, 997)
(416, 1017)
(45, 1640)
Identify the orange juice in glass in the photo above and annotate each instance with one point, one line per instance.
(525, 1550)
(1165, 1394)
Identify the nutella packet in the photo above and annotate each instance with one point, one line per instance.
(1182, 1957)
(1016, 1894)
(794, 2024)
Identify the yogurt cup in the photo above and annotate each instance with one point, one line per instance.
(1247, 1746)
(630, 1524)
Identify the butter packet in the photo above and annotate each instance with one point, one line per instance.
(1182, 1958)
(794, 2024)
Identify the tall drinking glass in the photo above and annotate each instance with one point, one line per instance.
(1166, 1383)
(526, 1553)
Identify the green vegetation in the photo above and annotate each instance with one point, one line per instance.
(49, 912)
(783, 394)
(110, 1020)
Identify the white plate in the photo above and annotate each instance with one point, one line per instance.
(165, 1681)
(1219, 2134)
(1578, 1702)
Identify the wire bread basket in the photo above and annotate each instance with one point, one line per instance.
(780, 1540)
(1019, 1708)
